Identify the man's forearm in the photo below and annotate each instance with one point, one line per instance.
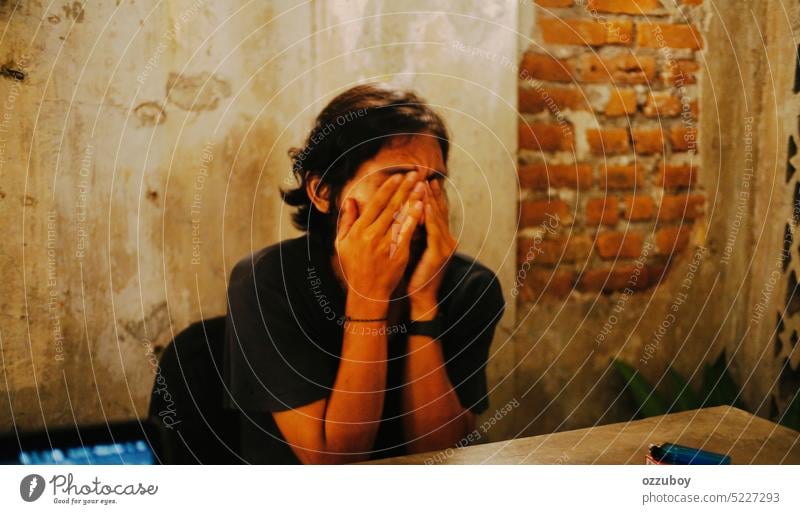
(434, 418)
(355, 405)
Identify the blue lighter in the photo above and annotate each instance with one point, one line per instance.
(669, 453)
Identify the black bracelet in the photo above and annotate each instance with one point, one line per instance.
(364, 320)
(432, 328)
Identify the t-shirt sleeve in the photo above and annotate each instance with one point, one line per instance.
(471, 320)
(273, 363)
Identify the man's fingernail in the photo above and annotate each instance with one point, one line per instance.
(419, 188)
(412, 176)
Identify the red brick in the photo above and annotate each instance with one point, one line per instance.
(561, 31)
(607, 141)
(554, 251)
(545, 67)
(547, 283)
(681, 207)
(681, 73)
(624, 6)
(656, 273)
(555, 3)
(536, 212)
(621, 102)
(648, 141)
(542, 175)
(546, 137)
(672, 176)
(671, 240)
(616, 278)
(602, 211)
(658, 35)
(620, 245)
(619, 69)
(639, 208)
(553, 99)
(683, 138)
(620, 177)
(662, 104)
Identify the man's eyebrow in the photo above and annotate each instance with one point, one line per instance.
(394, 170)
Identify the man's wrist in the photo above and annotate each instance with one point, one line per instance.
(360, 307)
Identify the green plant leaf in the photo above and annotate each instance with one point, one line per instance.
(648, 402)
(685, 397)
(719, 387)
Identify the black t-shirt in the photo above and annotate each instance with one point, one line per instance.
(284, 332)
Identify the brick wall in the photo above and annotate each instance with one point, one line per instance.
(608, 163)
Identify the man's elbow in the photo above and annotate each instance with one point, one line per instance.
(340, 446)
(448, 434)
(327, 458)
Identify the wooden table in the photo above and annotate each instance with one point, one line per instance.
(746, 438)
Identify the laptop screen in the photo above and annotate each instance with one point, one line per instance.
(116, 443)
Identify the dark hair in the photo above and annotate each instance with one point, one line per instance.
(350, 130)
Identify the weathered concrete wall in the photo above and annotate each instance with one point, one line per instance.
(138, 168)
(143, 144)
(770, 361)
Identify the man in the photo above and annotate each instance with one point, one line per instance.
(368, 336)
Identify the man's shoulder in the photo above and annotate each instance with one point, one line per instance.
(472, 298)
(271, 263)
(464, 266)
(468, 276)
